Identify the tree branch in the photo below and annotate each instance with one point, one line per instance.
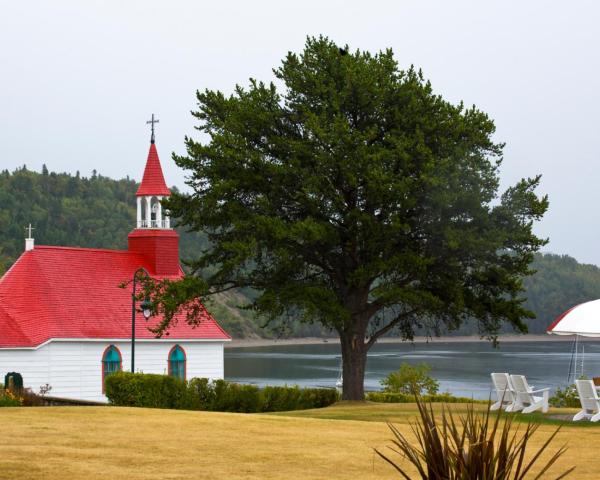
(221, 289)
(383, 330)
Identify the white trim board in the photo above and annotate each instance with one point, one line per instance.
(113, 340)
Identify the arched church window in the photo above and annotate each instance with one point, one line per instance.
(177, 361)
(111, 362)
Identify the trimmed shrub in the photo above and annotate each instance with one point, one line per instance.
(280, 399)
(317, 398)
(389, 397)
(146, 390)
(160, 391)
(201, 394)
(233, 397)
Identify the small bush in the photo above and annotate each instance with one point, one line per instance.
(31, 399)
(411, 379)
(566, 397)
(9, 399)
(24, 397)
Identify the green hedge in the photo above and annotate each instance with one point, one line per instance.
(233, 397)
(279, 399)
(161, 391)
(146, 390)
(388, 397)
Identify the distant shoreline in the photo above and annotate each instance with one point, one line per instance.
(268, 342)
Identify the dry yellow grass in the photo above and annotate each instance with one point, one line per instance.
(125, 443)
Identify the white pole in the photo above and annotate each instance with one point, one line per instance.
(148, 213)
(139, 212)
(576, 348)
(159, 222)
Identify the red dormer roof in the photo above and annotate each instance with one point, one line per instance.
(72, 293)
(153, 182)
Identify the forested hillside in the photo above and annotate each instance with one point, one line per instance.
(100, 212)
(560, 283)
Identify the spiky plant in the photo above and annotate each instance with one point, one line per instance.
(471, 447)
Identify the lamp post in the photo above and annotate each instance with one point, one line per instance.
(145, 310)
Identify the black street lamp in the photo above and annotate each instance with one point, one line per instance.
(145, 305)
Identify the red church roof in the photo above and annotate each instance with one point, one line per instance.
(72, 293)
(153, 182)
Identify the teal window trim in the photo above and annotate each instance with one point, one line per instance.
(177, 362)
(112, 362)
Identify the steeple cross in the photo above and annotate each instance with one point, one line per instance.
(29, 229)
(152, 122)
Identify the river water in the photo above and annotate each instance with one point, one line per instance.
(461, 368)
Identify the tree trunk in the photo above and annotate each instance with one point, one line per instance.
(354, 359)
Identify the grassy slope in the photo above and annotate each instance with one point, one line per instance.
(118, 443)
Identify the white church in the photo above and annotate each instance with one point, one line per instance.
(65, 321)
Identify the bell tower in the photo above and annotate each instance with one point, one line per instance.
(153, 236)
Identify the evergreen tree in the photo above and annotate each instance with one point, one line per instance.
(355, 198)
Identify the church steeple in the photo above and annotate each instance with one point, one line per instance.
(153, 236)
(152, 190)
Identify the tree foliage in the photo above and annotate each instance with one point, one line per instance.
(64, 210)
(355, 197)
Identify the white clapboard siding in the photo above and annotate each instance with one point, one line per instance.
(74, 368)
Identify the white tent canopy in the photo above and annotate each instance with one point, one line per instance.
(582, 319)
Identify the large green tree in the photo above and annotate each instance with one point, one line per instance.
(348, 193)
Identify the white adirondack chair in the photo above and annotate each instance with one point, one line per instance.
(527, 399)
(590, 403)
(504, 391)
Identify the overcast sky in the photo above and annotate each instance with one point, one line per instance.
(78, 80)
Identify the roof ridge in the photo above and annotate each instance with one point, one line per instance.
(15, 324)
(87, 249)
(13, 265)
(218, 325)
